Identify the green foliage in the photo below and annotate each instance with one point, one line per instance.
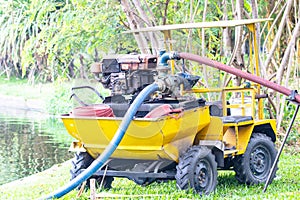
(20, 88)
(247, 6)
(59, 102)
(41, 38)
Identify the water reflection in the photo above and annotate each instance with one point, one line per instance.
(30, 145)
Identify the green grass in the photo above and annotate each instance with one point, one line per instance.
(21, 88)
(285, 186)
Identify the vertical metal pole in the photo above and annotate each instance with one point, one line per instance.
(281, 148)
(169, 47)
(252, 28)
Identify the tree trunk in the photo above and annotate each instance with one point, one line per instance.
(227, 45)
(203, 29)
(164, 19)
(285, 65)
(96, 57)
(82, 68)
(71, 73)
(239, 60)
(270, 33)
(283, 99)
(134, 24)
(279, 33)
(188, 46)
(286, 56)
(153, 38)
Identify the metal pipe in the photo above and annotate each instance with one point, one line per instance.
(99, 162)
(163, 59)
(240, 73)
(281, 148)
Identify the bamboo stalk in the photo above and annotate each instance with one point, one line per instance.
(279, 33)
(287, 53)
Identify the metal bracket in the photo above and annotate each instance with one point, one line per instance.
(212, 143)
(134, 174)
(293, 95)
(76, 146)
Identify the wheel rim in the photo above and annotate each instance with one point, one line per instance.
(203, 176)
(260, 162)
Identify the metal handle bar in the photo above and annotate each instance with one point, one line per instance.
(84, 87)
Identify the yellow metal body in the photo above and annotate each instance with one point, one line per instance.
(150, 139)
(238, 135)
(168, 136)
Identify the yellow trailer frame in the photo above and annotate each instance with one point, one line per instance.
(168, 136)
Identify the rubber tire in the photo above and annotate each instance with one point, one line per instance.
(250, 171)
(82, 160)
(197, 159)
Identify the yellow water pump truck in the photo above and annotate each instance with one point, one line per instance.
(173, 132)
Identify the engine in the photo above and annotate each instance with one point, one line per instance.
(127, 74)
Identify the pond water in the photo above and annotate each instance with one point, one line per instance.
(30, 143)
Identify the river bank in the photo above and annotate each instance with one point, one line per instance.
(22, 103)
(20, 107)
(19, 95)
